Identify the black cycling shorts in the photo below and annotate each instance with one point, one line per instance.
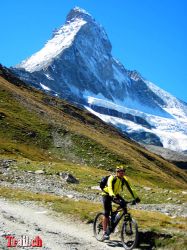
(107, 204)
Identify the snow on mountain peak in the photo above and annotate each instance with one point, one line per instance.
(62, 39)
(78, 12)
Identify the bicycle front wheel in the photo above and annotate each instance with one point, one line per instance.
(129, 234)
(98, 227)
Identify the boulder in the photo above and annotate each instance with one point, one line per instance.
(39, 172)
(69, 178)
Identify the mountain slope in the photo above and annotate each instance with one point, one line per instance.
(76, 64)
(37, 126)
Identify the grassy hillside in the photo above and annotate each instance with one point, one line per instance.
(39, 127)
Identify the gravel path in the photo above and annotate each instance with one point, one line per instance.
(57, 233)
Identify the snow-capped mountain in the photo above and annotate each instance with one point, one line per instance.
(76, 64)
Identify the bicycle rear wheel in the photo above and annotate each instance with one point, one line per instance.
(98, 226)
(129, 234)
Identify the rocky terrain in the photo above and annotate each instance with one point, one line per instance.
(38, 182)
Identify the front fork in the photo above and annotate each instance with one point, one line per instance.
(128, 226)
(127, 217)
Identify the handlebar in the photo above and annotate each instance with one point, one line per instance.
(132, 202)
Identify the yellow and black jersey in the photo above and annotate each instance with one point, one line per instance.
(115, 186)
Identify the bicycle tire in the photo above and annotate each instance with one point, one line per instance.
(98, 227)
(129, 234)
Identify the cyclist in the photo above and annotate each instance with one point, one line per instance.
(111, 193)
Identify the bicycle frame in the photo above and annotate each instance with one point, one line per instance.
(124, 214)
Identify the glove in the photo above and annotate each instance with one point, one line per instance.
(137, 200)
(133, 202)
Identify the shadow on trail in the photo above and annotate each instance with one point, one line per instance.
(146, 240)
(115, 243)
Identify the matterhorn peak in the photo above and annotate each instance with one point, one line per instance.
(78, 12)
(76, 64)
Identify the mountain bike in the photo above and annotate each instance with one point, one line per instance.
(129, 230)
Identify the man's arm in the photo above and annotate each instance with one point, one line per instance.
(132, 192)
(110, 186)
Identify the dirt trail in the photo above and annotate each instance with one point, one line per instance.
(57, 233)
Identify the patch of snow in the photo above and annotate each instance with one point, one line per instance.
(49, 77)
(45, 87)
(127, 106)
(124, 124)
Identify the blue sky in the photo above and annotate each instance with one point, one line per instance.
(146, 35)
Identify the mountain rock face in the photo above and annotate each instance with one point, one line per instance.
(76, 64)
